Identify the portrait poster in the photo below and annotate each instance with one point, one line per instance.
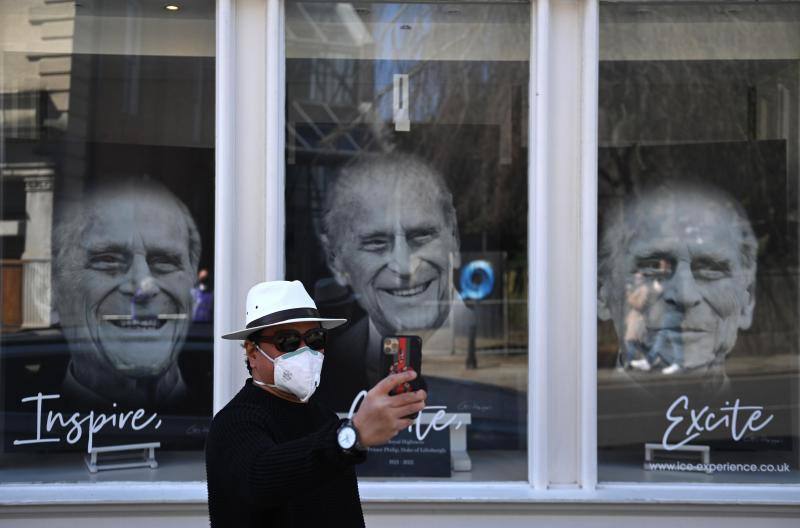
(417, 231)
(698, 306)
(120, 347)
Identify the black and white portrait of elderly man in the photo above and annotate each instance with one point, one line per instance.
(125, 257)
(390, 235)
(676, 275)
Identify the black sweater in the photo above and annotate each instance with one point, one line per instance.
(274, 463)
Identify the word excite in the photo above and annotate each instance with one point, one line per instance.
(738, 418)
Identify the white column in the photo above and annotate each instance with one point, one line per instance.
(249, 199)
(563, 244)
(587, 388)
(36, 282)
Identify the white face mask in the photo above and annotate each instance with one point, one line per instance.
(296, 372)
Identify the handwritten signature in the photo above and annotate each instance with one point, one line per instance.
(438, 420)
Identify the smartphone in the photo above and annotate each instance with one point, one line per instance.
(401, 353)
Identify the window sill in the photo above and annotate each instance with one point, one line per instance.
(444, 496)
(178, 483)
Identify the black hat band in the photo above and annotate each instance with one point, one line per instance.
(284, 315)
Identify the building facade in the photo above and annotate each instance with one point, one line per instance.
(587, 211)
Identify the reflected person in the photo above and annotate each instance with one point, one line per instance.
(667, 349)
(635, 329)
(390, 235)
(696, 251)
(125, 259)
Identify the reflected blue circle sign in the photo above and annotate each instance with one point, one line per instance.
(477, 280)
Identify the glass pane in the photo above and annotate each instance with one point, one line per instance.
(106, 237)
(406, 212)
(698, 255)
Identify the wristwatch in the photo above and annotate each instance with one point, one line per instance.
(347, 437)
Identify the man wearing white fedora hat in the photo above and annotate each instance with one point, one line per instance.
(276, 457)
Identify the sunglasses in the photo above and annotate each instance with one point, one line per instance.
(289, 340)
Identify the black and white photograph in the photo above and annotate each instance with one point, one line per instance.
(108, 293)
(125, 263)
(420, 224)
(697, 273)
(448, 263)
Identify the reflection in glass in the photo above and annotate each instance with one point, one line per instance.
(125, 261)
(396, 255)
(406, 166)
(677, 278)
(106, 233)
(698, 254)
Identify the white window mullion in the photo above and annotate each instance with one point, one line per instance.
(559, 266)
(564, 242)
(225, 197)
(275, 141)
(243, 206)
(538, 320)
(588, 292)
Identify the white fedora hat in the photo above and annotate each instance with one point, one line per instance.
(279, 302)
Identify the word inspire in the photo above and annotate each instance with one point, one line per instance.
(738, 418)
(437, 422)
(91, 423)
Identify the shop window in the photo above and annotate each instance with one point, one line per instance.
(106, 237)
(698, 242)
(406, 213)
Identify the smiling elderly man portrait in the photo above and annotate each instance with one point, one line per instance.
(687, 254)
(125, 259)
(390, 235)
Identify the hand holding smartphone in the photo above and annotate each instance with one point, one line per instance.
(402, 353)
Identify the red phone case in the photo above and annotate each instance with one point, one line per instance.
(401, 353)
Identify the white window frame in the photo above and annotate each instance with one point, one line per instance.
(562, 260)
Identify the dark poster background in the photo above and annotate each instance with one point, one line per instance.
(130, 116)
(762, 365)
(456, 111)
(731, 124)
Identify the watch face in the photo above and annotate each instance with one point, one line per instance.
(347, 437)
